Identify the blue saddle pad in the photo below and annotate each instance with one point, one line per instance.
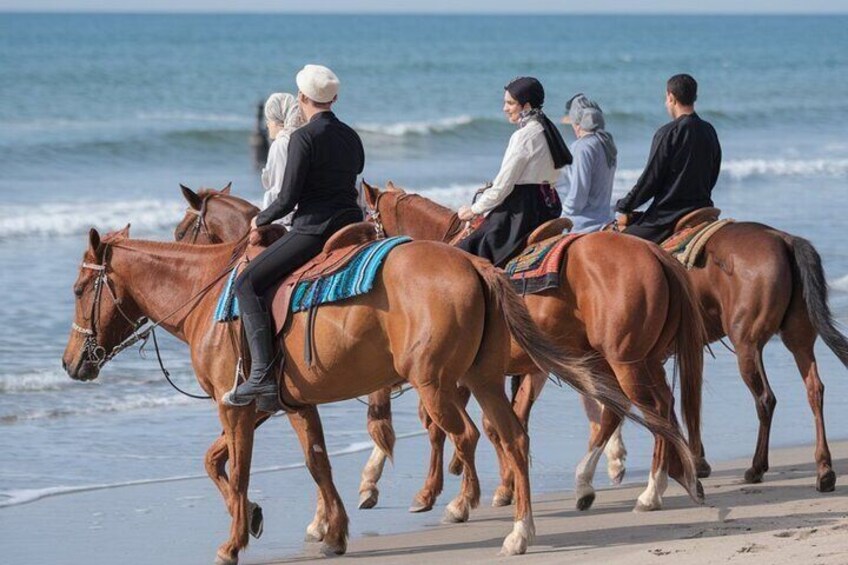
(354, 279)
(227, 309)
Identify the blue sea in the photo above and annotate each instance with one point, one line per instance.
(102, 116)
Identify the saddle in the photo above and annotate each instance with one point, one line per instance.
(549, 229)
(335, 255)
(691, 234)
(696, 218)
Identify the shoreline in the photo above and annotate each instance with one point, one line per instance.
(783, 520)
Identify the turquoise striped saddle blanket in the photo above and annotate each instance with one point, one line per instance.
(355, 278)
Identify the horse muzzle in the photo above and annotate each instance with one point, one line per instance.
(83, 370)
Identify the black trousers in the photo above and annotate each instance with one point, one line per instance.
(281, 258)
(504, 232)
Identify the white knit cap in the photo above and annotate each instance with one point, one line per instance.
(318, 83)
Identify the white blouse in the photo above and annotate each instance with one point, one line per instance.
(275, 168)
(527, 161)
(274, 171)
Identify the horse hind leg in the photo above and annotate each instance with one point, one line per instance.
(799, 337)
(616, 454)
(331, 521)
(615, 450)
(525, 396)
(381, 431)
(584, 475)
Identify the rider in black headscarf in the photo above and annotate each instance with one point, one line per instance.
(522, 196)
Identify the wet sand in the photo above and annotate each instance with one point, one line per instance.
(783, 520)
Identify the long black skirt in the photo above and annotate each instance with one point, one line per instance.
(503, 234)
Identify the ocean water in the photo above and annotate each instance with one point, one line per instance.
(101, 116)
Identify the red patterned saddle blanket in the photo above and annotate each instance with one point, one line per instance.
(538, 267)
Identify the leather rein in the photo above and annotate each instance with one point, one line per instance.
(96, 353)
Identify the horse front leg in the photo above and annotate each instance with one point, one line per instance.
(433, 484)
(239, 424)
(216, 467)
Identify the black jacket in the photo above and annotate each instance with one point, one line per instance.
(324, 158)
(680, 175)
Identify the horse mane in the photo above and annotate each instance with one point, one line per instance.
(430, 212)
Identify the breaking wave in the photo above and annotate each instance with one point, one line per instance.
(424, 127)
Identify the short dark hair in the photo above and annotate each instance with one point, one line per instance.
(684, 88)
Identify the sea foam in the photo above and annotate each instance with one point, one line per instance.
(424, 127)
(52, 219)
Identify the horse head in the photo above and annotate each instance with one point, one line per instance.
(105, 314)
(398, 212)
(213, 216)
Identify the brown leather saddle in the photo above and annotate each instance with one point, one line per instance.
(697, 217)
(336, 254)
(549, 229)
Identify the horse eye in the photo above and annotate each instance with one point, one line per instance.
(180, 235)
(78, 291)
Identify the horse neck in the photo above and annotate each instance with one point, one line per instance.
(160, 277)
(421, 218)
(235, 221)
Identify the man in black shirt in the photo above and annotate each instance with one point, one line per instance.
(324, 158)
(682, 168)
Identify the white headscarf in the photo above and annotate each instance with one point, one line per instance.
(282, 108)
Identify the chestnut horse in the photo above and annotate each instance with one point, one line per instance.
(405, 329)
(752, 283)
(660, 302)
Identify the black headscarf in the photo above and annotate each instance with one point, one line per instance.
(528, 90)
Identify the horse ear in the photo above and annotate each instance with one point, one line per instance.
(191, 197)
(226, 189)
(124, 233)
(392, 187)
(370, 194)
(93, 240)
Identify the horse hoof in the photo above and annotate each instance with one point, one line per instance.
(328, 550)
(699, 491)
(616, 478)
(703, 469)
(642, 507)
(827, 482)
(368, 499)
(257, 521)
(753, 477)
(221, 559)
(517, 541)
(419, 506)
(314, 533)
(501, 498)
(455, 514)
(585, 502)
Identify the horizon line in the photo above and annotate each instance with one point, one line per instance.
(410, 13)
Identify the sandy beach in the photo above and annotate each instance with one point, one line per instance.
(781, 521)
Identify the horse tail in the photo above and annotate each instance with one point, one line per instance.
(810, 274)
(380, 421)
(577, 373)
(691, 337)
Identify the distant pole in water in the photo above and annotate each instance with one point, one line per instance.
(259, 138)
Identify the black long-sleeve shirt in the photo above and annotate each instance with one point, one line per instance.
(682, 170)
(324, 158)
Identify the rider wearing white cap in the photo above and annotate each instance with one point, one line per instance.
(325, 156)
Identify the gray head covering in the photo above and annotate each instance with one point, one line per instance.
(586, 113)
(282, 109)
